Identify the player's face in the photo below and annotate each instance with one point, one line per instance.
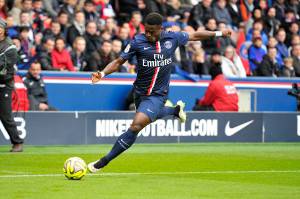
(152, 32)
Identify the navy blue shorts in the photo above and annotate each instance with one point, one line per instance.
(150, 105)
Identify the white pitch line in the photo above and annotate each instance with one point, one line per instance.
(156, 173)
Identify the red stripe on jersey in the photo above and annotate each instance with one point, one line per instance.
(157, 46)
(153, 80)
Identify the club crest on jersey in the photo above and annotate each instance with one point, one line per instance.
(126, 50)
(168, 44)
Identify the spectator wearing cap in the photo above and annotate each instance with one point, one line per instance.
(221, 12)
(200, 14)
(221, 94)
(269, 66)
(77, 28)
(61, 58)
(255, 54)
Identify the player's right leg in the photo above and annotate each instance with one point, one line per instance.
(124, 141)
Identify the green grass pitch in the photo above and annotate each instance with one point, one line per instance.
(162, 171)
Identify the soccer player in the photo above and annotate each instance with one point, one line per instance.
(155, 51)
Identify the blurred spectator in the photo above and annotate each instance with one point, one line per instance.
(201, 13)
(269, 66)
(246, 8)
(124, 36)
(54, 31)
(44, 56)
(280, 7)
(25, 21)
(289, 18)
(12, 29)
(116, 47)
(256, 54)
(26, 42)
(124, 9)
(271, 24)
(288, 68)
(135, 24)
(294, 41)
(101, 57)
(198, 63)
(159, 6)
(256, 15)
(23, 58)
(78, 55)
(51, 6)
(282, 49)
(296, 59)
(210, 44)
(20, 100)
(89, 10)
(77, 28)
(61, 58)
(111, 26)
(232, 65)
(221, 94)
(40, 16)
(257, 27)
(69, 6)
(104, 8)
(224, 41)
(272, 43)
(63, 20)
(93, 41)
(36, 90)
(233, 9)
(3, 9)
(221, 12)
(294, 30)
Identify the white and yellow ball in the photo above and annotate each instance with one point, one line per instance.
(75, 168)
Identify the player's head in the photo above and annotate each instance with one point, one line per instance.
(153, 26)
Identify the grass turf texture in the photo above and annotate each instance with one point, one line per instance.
(174, 171)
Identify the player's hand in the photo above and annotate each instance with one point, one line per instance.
(226, 33)
(96, 77)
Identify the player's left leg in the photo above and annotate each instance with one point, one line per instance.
(177, 111)
(123, 142)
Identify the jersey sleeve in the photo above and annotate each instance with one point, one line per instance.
(129, 50)
(182, 38)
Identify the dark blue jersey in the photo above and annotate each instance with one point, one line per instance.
(154, 61)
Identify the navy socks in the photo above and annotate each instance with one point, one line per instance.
(165, 111)
(123, 142)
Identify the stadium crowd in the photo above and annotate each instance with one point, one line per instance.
(85, 35)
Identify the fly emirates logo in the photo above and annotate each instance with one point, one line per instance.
(158, 61)
(160, 128)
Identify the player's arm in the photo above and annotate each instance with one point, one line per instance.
(110, 68)
(205, 34)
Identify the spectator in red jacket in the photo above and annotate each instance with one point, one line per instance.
(221, 95)
(20, 100)
(61, 58)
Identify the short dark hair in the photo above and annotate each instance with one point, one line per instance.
(154, 18)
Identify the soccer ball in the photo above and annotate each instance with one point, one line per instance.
(75, 168)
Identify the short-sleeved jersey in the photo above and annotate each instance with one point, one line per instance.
(155, 61)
